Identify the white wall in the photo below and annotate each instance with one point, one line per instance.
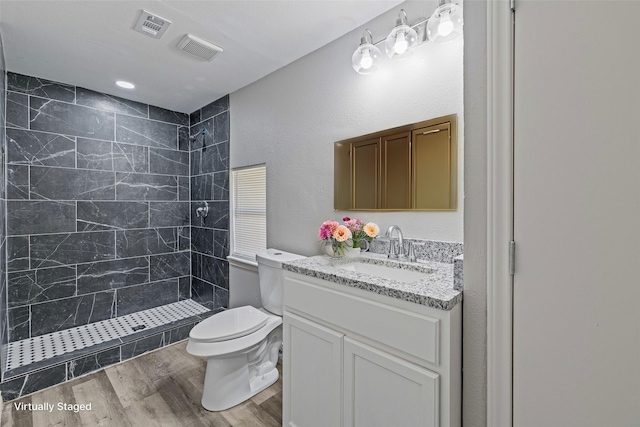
(291, 119)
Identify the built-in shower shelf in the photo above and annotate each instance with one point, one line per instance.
(46, 350)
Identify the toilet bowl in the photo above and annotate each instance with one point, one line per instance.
(242, 344)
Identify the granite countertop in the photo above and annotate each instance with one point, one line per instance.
(434, 290)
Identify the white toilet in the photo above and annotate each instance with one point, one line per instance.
(241, 344)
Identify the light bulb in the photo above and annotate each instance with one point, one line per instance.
(446, 26)
(401, 44)
(367, 61)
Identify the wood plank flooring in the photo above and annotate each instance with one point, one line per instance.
(162, 388)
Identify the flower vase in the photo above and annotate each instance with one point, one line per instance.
(351, 252)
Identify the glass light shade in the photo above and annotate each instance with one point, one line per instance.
(445, 24)
(401, 41)
(365, 58)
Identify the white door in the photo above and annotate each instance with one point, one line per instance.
(381, 390)
(576, 355)
(313, 368)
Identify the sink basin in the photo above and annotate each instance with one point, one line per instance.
(383, 271)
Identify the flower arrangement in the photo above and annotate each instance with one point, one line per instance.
(350, 234)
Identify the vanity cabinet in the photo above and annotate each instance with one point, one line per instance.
(358, 358)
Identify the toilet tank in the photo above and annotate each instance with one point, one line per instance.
(272, 277)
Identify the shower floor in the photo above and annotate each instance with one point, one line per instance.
(33, 350)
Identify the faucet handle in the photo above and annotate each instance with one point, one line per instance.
(412, 254)
(392, 249)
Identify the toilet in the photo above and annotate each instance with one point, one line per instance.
(242, 344)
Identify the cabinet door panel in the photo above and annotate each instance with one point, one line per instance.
(365, 174)
(383, 390)
(432, 168)
(313, 371)
(396, 171)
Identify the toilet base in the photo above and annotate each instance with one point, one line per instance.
(233, 379)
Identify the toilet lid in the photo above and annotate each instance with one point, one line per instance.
(229, 324)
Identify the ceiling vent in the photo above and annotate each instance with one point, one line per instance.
(151, 25)
(199, 48)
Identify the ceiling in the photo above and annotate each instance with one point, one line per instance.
(91, 43)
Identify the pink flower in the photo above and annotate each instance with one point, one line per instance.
(326, 229)
(346, 219)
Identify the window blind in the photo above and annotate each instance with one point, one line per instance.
(249, 211)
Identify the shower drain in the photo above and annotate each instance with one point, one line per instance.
(36, 349)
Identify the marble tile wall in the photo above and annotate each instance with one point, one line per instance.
(210, 183)
(98, 206)
(4, 333)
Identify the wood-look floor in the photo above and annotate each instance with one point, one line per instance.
(162, 388)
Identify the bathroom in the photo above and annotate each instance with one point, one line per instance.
(115, 203)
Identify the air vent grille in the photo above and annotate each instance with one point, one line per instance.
(151, 25)
(199, 48)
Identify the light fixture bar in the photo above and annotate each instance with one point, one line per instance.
(423, 36)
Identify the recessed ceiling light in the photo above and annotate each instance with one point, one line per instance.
(125, 85)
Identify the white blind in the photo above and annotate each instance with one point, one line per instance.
(249, 211)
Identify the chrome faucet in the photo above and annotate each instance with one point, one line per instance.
(392, 253)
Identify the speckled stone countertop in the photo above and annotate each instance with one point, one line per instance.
(434, 290)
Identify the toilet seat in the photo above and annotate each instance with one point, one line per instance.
(230, 324)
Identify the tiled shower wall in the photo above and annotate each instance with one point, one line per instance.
(210, 183)
(98, 213)
(4, 335)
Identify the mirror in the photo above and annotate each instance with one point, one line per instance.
(412, 167)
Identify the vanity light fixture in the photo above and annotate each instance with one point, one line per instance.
(125, 85)
(445, 24)
(365, 58)
(402, 39)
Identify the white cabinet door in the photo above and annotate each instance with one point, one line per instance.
(384, 390)
(312, 381)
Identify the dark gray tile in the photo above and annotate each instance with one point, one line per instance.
(168, 162)
(177, 334)
(38, 216)
(202, 240)
(44, 284)
(62, 249)
(17, 253)
(166, 266)
(84, 365)
(100, 276)
(202, 267)
(183, 138)
(184, 238)
(221, 243)
(111, 103)
(94, 154)
(219, 213)
(221, 127)
(71, 184)
(68, 119)
(133, 243)
(19, 323)
(94, 216)
(194, 118)
(142, 346)
(34, 382)
(221, 185)
(202, 292)
(130, 158)
(221, 273)
(218, 155)
(37, 148)
(202, 187)
(184, 288)
(149, 295)
(168, 116)
(17, 182)
(169, 214)
(146, 132)
(184, 191)
(130, 186)
(40, 87)
(71, 312)
(220, 298)
(17, 110)
(216, 107)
